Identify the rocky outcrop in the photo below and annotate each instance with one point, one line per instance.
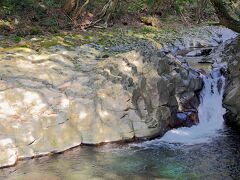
(232, 93)
(57, 98)
(60, 98)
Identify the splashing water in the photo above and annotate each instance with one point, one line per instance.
(210, 114)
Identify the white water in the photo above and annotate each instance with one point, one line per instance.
(210, 114)
(210, 110)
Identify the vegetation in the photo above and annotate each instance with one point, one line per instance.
(36, 17)
(225, 17)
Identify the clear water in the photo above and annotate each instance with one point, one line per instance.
(218, 159)
(207, 151)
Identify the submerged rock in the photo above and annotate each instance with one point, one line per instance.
(188, 119)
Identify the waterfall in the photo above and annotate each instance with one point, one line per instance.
(210, 113)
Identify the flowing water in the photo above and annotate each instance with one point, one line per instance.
(207, 151)
(210, 114)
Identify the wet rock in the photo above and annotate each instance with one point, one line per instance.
(188, 119)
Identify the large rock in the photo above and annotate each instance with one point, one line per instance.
(232, 93)
(61, 98)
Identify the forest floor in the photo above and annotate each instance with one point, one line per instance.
(123, 32)
(111, 40)
(46, 27)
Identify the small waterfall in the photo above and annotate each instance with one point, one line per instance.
(210, 114)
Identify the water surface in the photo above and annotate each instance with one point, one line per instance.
(217, 159)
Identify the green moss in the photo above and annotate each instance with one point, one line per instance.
(15, 49)
(56, 40)
(148, 29)
(47, 44)
(102, 40)
(78, 36)
(89, 37)
(17, 39)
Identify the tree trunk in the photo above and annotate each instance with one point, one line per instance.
(224, 16)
